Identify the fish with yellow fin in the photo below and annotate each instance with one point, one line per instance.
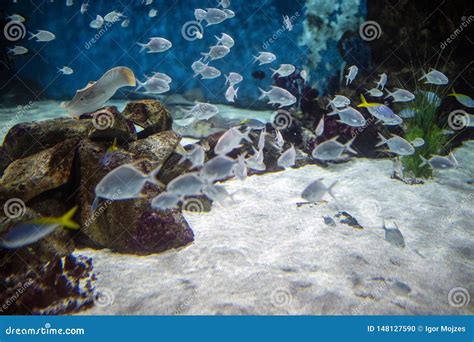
(463, 99)
(95, 94)
(31, 231)
(109, 153)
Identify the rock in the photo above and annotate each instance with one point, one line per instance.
(157, 147)
(28, 138)
(142, 230)
(149, 114)
(28, 177)
(109, 124)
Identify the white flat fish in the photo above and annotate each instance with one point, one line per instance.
(218, 168)
(264, 58)
(231, 93)
(165, 201)
(189, 184)
(233, 78)
(316, 190)
(156, 45)
(351, 75)
(332, 149)
(400, 95)
(278, 95)
(288, 158)
(435, 77)
(397, 145)
(320, 127)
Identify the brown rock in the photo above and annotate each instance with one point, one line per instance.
(28, 177)
(157, 147)
(149, 114)
(110, 124)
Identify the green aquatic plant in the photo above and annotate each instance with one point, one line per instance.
(424, 124)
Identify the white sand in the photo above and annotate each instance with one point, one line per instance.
(265, 255)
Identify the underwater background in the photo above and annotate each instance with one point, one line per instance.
(340, 184)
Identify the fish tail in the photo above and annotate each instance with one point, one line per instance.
(364, 101)
(142, 46)
(227, 80)
(453, 92)
(263, 93)
(205, 55)
(330, 190)
(32, 35)
(152, 177)
(388, 93)
(236, 90)
(245, 136)
(255, 58)
(453, 158)
(382, 140)
(334, 109)
(422, 77)
(274, 71)
(348, 146)
(140, 85)
(424, 161)
(218, 39)
(66, 219)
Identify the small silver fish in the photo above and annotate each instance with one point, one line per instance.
(240, 169)
(84, 7)
(255, 161)
(407, 113)
(316, 190)
(435, 77)
(231, 93)
(200, 14)
(339, 101)
(393, 235)
(154, 86)
(229, 13)
(279, 141)
(113, 17)
(125, 182)
(196, 156)
(284, 70)
(304, 75)
(440, 162)
(224, 3)
(400, 95)
(397, 145)
(97, 22)
(42, 36)
(161, 76)
(16, 17)
(349, 116)
(351, 75)
(65, 70)
(287, 23)
(218, 168)
(261, 139)
(189, 184)
(202, 111)
(125, 23)
(288, 158)
(230, 140)
(216, 52)
(165, 201)
(208, 73)
(332, 149)
(320, 127)
(198, 66)
(156, 45)
(233, 78)
(382, 81)
(264, 58)
(375, 92)
(225, 40)
(95, 94)
(17, 50)
(69, 2)
(382, 112)
(394, 120)
(278, 95)
(216, 192)
(152, 13)
(417, 142)
(214, 16)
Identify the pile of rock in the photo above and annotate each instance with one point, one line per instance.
(50, 166)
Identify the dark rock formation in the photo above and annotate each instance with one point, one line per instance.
(151, 115)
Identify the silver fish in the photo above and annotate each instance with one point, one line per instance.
(189, 184)
(214, 16)
(162, 76)
(261, 139)
(65, 70)
(156, 45)
(253, 124)
(95, 94)
(97, 22)
(284, 70)
(397, 145)
(125, 182)
(69, 2)
(154, 86)
(316, 190)
(288, 158)
(332, 149)
(393, 235)
(229, 13)
(217, 193)
(84, 7)
(287, 23)
(400, 95)
(382, 112)
(435, 77)
(152, 13)
(216, 52)
(218, 168)
(255, 161)
(225, 40)
(279, 141)
(202, 111)
(351, 75)
(208, 73)
(231, 93)
(304, 75)
(16, 17)
(382, 81)
(200, 14)
(349, 116)
(164, 201)
(233, 78)
(113, 16)
(196, 156)
(240, 169)
(407, 113)
(320, 127)
(278, 95)
(264, 58)
(375, 92)
(125, 23)
(440, 162)
(339, 101)
(224, 3)
(198, 66)
(42, 36)
(17, 50)
(394, 120)
(417, 142)
(230, 140)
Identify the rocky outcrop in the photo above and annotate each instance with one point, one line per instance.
(151, 115)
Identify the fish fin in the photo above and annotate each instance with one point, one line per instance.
(348, 146)
(66, 219)
(453, 158)
(142, 46)
(152, 177)
(364, 101)
(334, 111)
(263, 93)
(140, 85)
(236, 90)
(388, 93)
(255, 58)
(245, 136)
(32, 35)
(382, 140)
(453, 93)
(424, 161)
(422, 77)
(330, 190)
(274, 71)
(226, 80)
